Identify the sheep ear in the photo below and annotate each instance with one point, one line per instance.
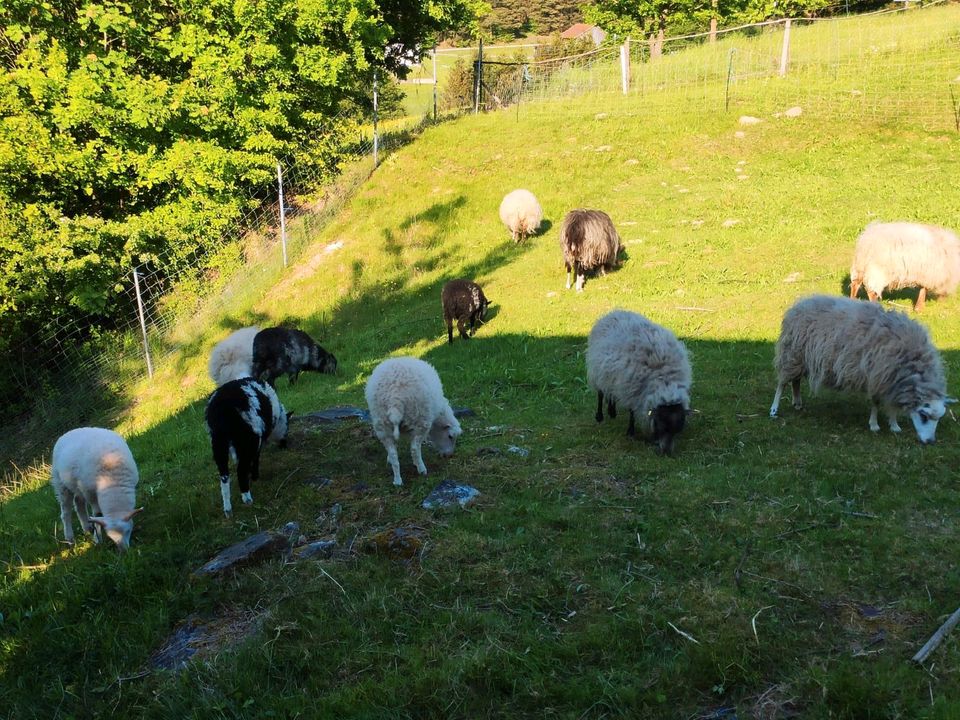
(132, 513)
(949, 400)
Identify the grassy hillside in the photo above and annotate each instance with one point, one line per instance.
(784, 568)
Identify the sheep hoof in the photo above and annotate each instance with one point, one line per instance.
(422, 470)
(398, 482)
(874, 428)
(773, 413)
(228, 514)
(798, 406)
(895, 428)
(247, 498)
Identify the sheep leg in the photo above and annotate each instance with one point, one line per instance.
(415, 443)
(392, 460)
(449, 322)
(611, 407)
(567, 265)
(292, 376)
(854, 288)
(581, 278)
(247, 461)
(66, 513)
(599, 414)
(81, 506)
(921, 300)
(872, 296)
(874, 425)
(776, 399)
(631, 427)
(462, 329)
(892, 420)
(797, 402)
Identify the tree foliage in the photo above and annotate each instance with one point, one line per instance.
(140, 131)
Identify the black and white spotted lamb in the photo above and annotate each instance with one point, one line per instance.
(641, 365)
(287, 351)
(241, 416)
(463, 301)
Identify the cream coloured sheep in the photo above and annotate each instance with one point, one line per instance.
(521, 213)
(406, 393)
(902, 254)
(232, 358)
(850, 345)
(93, 470)
(643, 366)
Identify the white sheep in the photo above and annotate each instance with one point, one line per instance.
(850, 345)
(406, 393)
(94, 470)
(643, 366)
(232, 358)
(521, 213)
(589, 241)
(902, 254)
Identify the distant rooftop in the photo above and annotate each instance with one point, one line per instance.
(575, 31)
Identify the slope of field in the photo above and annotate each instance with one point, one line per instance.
(774, 568)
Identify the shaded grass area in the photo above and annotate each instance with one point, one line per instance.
(788, 565)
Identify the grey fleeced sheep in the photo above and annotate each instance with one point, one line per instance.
(286, 351)
(232, 358)
(406, 393)
(463, 301)
(589, 241)
(850, 345)
(642, 366)
(94, 470)
(521, 213)
(902, 254)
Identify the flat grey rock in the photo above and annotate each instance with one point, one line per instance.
(318, 548)
(255, 548)
(449, 493)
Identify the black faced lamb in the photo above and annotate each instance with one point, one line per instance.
(406, 393)
(463, 301)
(93, 470)
(902, 254)
(589, 241)
(286, 351)
(241, 416)
(637, 364)
(846, 344)
(521, 213)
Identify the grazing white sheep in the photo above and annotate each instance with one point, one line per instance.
(232, 358)
(406, 393)
(521, 213)
(902, 254)
(846, 344)
(94, 470)
(589, 241)
(643, 366)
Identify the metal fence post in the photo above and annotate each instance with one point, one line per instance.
(785, 52)
(478, 78)
(143, 323)
(625, 66)
(376, 135)
(283, 215)
(434, 84)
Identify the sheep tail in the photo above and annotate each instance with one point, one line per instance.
(395, 415)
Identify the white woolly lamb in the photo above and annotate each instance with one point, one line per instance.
(846, 344)
(94, 470)
(902, 254)
(521, 213)
(406, 393)
(232, 358)
(643, 366)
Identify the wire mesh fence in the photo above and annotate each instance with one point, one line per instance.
(898, 66)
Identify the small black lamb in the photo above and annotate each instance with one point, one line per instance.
(278, 351)
(463, 301)
(241, 416)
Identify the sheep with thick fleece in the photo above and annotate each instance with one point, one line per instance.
(406, 393)
(589, 241)
(643, 366)
(521, 213)
(94, 471)
(232, 358)
(463, 301)
(850, 345)
(903, 254)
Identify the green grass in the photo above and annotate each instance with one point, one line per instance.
(556, 594)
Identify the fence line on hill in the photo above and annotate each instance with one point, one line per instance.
(904, 69)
